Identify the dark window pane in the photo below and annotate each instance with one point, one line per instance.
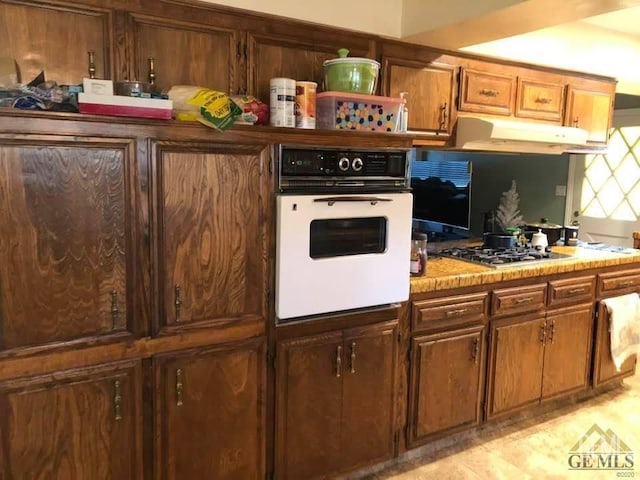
(338, 237)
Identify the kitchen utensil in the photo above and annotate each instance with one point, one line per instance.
(351, 74)
(552, 230)
(539, 240)
(571, 235)
(131, 88)
(498, 240)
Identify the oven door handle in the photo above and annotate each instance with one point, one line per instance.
(372, 200)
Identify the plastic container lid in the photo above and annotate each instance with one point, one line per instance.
(343, 52)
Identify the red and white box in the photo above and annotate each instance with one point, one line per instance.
(121, 106)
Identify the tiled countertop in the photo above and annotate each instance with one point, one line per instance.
(447, 273)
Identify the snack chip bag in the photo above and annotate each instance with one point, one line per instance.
(209, 107)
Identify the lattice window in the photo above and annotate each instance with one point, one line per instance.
(611, 185)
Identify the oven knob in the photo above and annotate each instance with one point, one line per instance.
(357, 164)
(343, 164)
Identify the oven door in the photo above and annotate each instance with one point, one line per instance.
(341, 252)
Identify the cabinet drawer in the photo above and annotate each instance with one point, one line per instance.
(540, 100)
(487, 92)
(449, 311)
(574, 290)
(509, 301)
(618, 283)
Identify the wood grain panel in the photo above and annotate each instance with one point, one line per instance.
(300, 58)
(369, 389)
(309, 406)
(56, 39)
(446, 385)
(214, 232)
(430, 92)
(213, 424)
(67, 426)
(450, 311)
(63, 243)
(487, 92)
(540, 100)
(567, 354)
(590, 110)
(517, 352)
(618, 283)
(186, 53)
(604, 370)
(517, 300)
(571, 291)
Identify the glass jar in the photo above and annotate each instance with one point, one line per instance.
(418, 263)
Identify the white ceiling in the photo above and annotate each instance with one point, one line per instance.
(623, 21)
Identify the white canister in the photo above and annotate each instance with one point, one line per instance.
(306, 104)
(283, 101)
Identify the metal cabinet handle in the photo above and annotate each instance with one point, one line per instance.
(475, 350)
(487, 92)
(177, 302)
(114, 310)
(339, 361)
(544, 101)
(543, 333)
(455, 313)
(625, 284)
(576, 291)
(179, 387)
(443, 116)
(521, 301)
(553, 331)
(117, 400)
(92, 64)
(576, 121)
(332, 200)
(353, 357)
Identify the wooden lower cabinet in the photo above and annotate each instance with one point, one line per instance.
(517, 356)
(446, 382)
(604, 370)
(335, 401)
(82, 424)
(567, 353)
(210, 413)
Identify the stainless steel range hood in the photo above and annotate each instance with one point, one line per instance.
(497, 135)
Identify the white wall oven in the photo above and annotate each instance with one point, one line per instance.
(343, 230)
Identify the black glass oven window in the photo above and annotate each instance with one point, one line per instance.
(337, 237)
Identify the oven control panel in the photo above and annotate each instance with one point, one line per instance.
(298, 162)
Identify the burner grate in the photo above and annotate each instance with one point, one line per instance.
(502, 257)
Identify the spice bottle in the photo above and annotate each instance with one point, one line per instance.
(418, 263)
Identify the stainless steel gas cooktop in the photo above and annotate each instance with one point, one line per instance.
(502, 257)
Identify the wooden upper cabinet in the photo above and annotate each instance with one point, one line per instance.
(211, 414)
(214, 221)
(430, 92)
(65, 239)
(187, 53)
(56, 39)
(369, 389)
(446, 388)
(540, 100)
(297, 56)
(85, 425)
(567, 353)
(591, 110)
(487, 92)
(309, 396)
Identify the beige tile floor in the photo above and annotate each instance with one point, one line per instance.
(525, 448)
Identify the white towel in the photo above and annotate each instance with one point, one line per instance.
(624, 326)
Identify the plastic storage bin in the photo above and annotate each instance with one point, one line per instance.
(351, 111)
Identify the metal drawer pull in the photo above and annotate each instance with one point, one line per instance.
(179, 388)
(553, 331)
(460, 311)
(476, 350)
(117, 400)
(339, 361)
(575, 291)
(544, 101)
(353, 357)
(489, 93)
(372, 200)
(114, 310)
(177, 302)
(520, 301)
(625, 284)
(543, 333)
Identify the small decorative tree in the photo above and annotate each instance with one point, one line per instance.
(508, 214)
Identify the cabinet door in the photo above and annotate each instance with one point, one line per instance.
(446, 382)
(186, 53)
(567, 354)
(65, 244)
(213, 258)
(56, 38)
(309, 406)
(211, 414)
(485, 92)
(591, 111)
(540, 100)
(299, 57)
(430, 89)
(81, 425)
(604, 370)
(517, 354)
(369, 394)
